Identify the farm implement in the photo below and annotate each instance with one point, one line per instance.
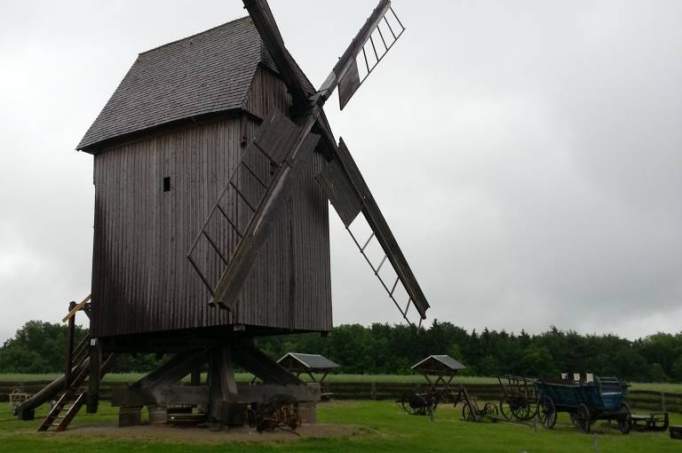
(585, 402)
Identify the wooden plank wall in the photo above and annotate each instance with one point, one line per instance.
(142, 280)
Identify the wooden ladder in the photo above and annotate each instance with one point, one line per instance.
(74, 395)
(69, 403)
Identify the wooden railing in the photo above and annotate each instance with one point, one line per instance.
(639, 400)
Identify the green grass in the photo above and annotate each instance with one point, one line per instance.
(383, 427)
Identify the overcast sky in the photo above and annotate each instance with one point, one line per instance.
(527, 154)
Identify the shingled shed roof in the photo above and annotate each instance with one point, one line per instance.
(306, 362)
(438, 364)
(205, 73)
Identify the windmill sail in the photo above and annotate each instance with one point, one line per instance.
(244, 208)
(381, 31)
(350, 196)
(286, 141)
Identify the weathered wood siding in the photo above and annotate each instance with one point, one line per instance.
(142, 280)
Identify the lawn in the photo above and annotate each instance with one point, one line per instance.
(380, 427)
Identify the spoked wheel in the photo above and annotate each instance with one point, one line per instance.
(413, 403)
(583, 418)
(468, 413)
(490, 410)
(624, 419)
(505, 409)
(546, 412)
(523, 410)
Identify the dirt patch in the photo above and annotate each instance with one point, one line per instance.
(165, 433)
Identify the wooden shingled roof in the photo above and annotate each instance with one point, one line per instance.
(438, 364)
(202, 74)
(306, 362)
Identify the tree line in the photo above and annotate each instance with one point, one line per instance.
(38, 347)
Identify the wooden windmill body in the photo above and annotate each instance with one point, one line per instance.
(155, 187)
(213, 167)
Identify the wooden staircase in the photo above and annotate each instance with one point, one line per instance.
(75, 393)
(69, 404)
(86, 364)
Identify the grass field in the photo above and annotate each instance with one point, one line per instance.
(379, 427)
(359, 378)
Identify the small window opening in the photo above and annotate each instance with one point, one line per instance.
(166, 184)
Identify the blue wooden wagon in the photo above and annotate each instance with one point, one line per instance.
(585, 402)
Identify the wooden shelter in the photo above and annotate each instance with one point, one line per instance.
(298, 363)
(438, 370)
(213, 166)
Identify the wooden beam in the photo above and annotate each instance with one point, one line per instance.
(95, 375)
(294, 78)
(222, 386)
(69, 345)
(199, 395)
(78, 307)
(179, 366)
(267, 370)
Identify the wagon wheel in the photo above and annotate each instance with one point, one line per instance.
(505, 409)
(431, 403)
(583, 418)
(522, 410)
(468, 413)
(413, 403)
(546, 412)
(624, 419)
(490, 410)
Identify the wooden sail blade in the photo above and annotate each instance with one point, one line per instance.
(340, 192)
(371, 44)
(226, 247)
(349, 192)
(282, 141)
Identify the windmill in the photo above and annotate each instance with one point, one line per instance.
(213, 166)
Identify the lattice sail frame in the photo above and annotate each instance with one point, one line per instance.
(249, 183)
(391, 283)
(386, 32)
(344, 183)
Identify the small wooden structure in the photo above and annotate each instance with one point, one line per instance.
(214, 166)
(16, 397)
(298, 363)
(676, 432)
(438, 370)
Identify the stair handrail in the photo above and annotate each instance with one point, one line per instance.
(78, 307)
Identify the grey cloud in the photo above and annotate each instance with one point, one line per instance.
(528, 155)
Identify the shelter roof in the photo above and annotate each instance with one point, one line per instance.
(309, 362)
(438, 363)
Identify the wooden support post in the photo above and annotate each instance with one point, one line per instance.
(222, 386)
(71, 329)
(195, 378)
(129, 416)
(95, 375)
